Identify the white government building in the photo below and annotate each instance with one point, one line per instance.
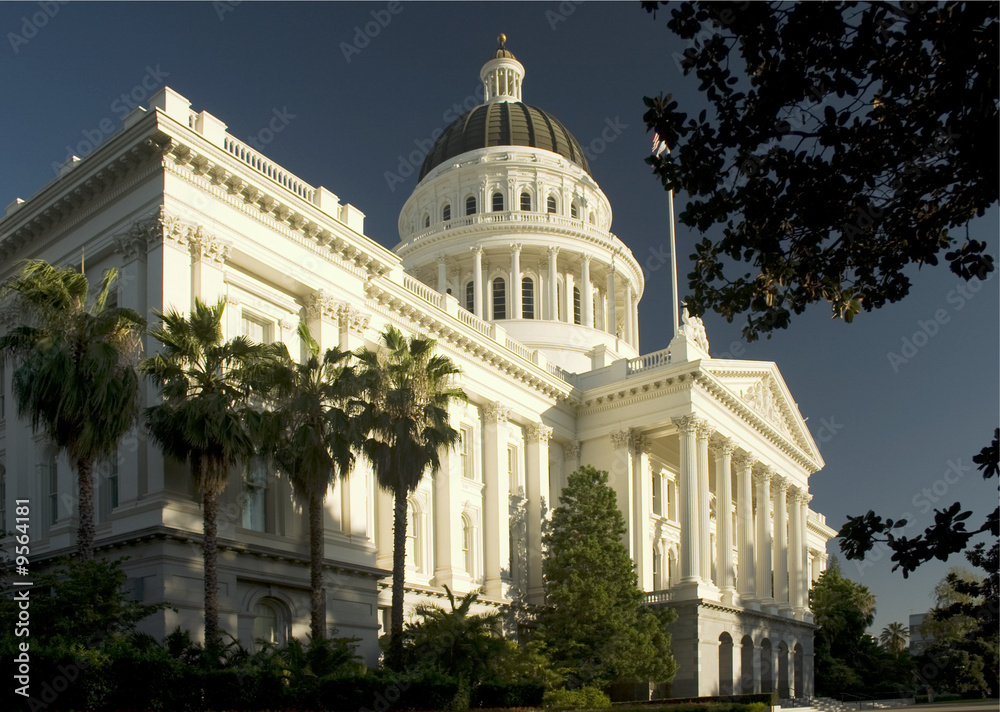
(507, 259)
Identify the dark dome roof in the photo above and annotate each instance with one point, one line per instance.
(504, 123)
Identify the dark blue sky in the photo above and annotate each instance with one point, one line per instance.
(352, 119)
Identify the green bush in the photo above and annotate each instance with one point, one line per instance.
(583, 698)
(524, 694)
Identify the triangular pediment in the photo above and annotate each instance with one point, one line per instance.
(758, 386)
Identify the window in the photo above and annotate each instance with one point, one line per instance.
(427, 220)
(513, 473)
(446, 212)
(591, 218)
(255, 496)
(256, 328)
(269, 622)
(527, 298)
(656, 493)
(52, 480)
(497, 202)
(550, 204)
(469, 545)
(414, 524)
(470, 296)
(464, 463)
(499, 298)
(576, 305)
(526, 201)
(656, 568)
(107, 490)
(574, 212)
(470, 205)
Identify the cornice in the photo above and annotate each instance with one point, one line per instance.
(622, 394)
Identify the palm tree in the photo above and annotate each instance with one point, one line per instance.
(75, 376)
(207, 386)
(893, 637)
(311, 439)
(407, 391)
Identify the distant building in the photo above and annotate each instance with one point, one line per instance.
(507, 259)
(918, 643)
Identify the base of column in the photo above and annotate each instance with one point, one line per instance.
(800, 613)
(748, 602)
(785, 609)
(695, 589)
(493, 587)
(768, 605)
(728, 595)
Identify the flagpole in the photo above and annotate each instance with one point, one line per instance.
(673, 262)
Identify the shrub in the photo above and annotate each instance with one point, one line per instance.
(524, 694)
(583, 698)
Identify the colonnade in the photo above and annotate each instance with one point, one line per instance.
(771, 567)
(547, 301)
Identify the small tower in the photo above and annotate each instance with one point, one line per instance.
(502, 75)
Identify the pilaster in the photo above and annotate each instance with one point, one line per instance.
(537, 490)
(496, 512)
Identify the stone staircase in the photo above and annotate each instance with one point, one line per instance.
(828, 704)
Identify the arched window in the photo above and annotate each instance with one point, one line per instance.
(576, 309)
(470, 296)
(427, 220)
(497, 202)
(499, 298)
(527, 298)
(470, 205)
(414, 536)
(550, 204)
(574, 212)
(590, 218)
(747, 681)
(270, 623)
(446, 212)
(526, 201)
(725, 664)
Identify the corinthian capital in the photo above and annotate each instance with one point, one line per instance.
(688, 424)
(320, 305)
(496, 412)
(539, 432)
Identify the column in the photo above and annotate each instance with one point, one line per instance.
(794, 552)
(477, 281)
(446, 507)
(641, 498)
(612, 315)
(806, 583)
(779, 488)
(690, 559)
(635, 323)
(704, 512)
(627, 335)
(515, 282)
(586, 292)
(723, 520)
(207, 267)
(552, 309)
(442, 263)
(537, 490)
(744, 527)
(496, 507)
(763, 546)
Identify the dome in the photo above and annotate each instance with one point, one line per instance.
(505, 123)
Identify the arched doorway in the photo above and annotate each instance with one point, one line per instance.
(746, 665)
(725, 664)
(766, 666)
(783, 670)
(799, 671)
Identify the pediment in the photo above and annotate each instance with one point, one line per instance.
(759, 387)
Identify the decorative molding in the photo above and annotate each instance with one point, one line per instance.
(744, 460)
(571, 450)
(688, 424)
(320, 305)
(761, 398)
(496, 412)
(621, 439)
(705, 431)
(208, 247)
(638, 442)
(694, 329)
(724, 446)
(352, 319)
(764, 474)
(539, 432)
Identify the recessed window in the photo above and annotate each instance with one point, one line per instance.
(550, 204)
(497, 202)
(255, 496)
(469, 545)
(525, 201)
(270, 624)
(591, 219)
(470, 296)
(527, 298)
(576, 305)
(256, 328)
(574, 212)
(499, 298)
(446, 212)
(427, 221)
(464, 461)
(107, 490)
(414, 538)
(513, 471)
(470, 205)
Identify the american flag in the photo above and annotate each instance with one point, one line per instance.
(659, 146)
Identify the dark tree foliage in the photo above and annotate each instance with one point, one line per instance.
(945, 537)
(845, 142)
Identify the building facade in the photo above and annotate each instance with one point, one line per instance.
(506, 258)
